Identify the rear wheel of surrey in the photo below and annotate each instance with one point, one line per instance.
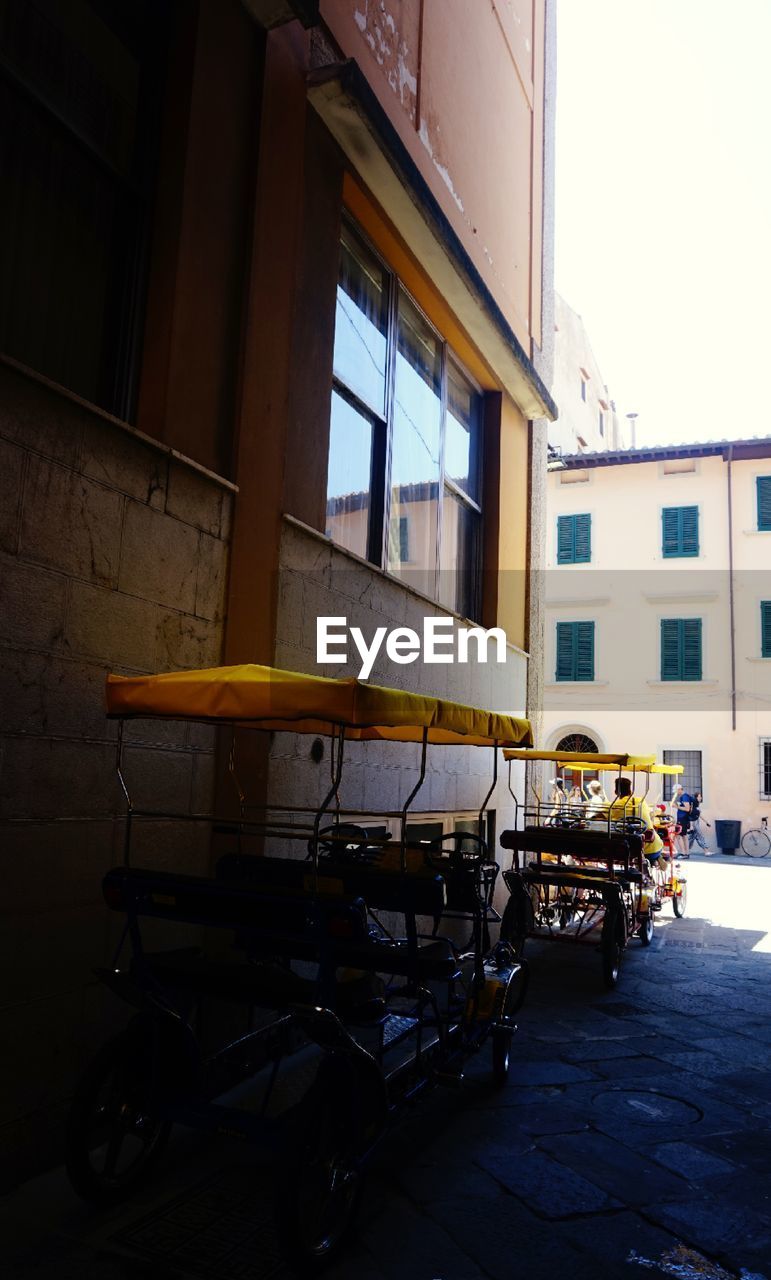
(113, 1139)
(318, 1192)
(611, 946)
(516, 920)
(680, 901)
(502, 1036)
(756, 844)
(646, 930)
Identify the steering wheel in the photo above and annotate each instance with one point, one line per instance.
(635, 825)
(568, 820)
(342, 840)
(456, 852)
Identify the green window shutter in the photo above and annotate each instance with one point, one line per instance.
(583, 538)
(764, 502)
(565, 650)
(765, 629)
(584, 650)
(689, 531)
(680, 531)
(670, 536)
(681, 648)
(565, 540)
(691, 649)
(574, 539)
(670, 649)
(575, 650)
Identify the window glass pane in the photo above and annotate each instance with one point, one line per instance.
(415, 448)
(361, 323)
(418, 831)
(461, 440)
(459, 557)
(349, 476)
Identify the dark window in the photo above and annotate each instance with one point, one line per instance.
(575, 650)
(602, 423)
(690, 777)
(574, 539)
(681, 648)
(583, 388)
(764, 502)
(765, 629)
(79, 110)
(405, 440)
(765, 768)
(680, 531)
(577, 742)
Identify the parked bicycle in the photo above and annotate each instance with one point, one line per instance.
(756, 843)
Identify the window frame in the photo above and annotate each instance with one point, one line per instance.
(379, 518)
(761, 483)
(115, 388)
(764, 769)
(678, 756)
(765, 628)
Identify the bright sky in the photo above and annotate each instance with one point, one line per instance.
(663, 194)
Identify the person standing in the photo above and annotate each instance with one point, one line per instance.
(695, 833)
(682, 802)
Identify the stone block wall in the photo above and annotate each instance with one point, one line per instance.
(317, 578)
(113, 556)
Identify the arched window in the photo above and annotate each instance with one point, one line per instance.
(576, 742)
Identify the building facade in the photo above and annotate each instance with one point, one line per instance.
(658, 600)
(588, 418)
(275, 336)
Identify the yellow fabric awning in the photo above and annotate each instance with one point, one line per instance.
(268, 698)
(582, 759)
(667, 769)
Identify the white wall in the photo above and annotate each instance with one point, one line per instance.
(629, 587)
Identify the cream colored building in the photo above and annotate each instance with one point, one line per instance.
(658, 608)
(588, 418)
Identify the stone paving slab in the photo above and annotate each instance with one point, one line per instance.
(627, 1175)
(724, 1231)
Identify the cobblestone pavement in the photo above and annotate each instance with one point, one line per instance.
(634, 1136)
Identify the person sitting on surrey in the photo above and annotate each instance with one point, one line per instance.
(626, 806)
(596, 800)
(576, 798)
(559, 801)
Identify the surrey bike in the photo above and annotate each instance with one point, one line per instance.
(341, 950)
(580, 876)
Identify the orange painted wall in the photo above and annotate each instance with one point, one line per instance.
(461, 81)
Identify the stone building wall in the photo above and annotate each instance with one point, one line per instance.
(319, 579)
(113, 556)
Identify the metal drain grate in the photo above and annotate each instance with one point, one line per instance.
(222, 1228)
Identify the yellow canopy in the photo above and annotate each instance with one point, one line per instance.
(584, 760)
(271, 699)
(665, 768)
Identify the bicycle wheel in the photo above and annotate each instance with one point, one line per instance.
(680, 900)
(113, 1138)
(319, 1185)
(756, 843)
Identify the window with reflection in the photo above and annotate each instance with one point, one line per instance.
(404, 478)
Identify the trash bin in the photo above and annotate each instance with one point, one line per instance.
(728, 834)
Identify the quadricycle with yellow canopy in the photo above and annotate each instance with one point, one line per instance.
(354, 963)
(592, 868)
